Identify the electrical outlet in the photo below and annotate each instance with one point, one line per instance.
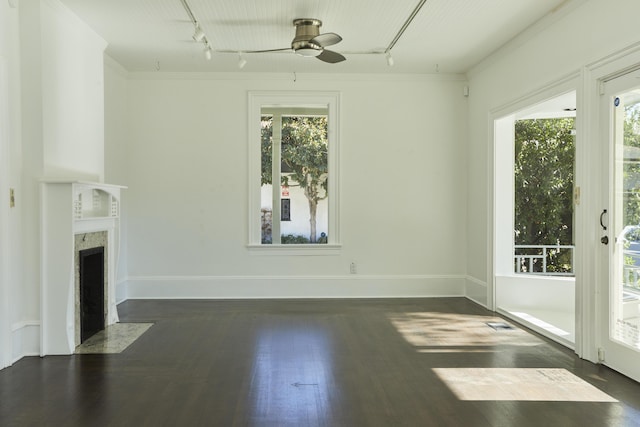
(12, 198)
(353, 269)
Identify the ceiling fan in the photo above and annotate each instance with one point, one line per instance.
(309, 42)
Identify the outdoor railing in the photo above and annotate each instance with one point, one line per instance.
(631, 271)
(551, 260)
(538, 259)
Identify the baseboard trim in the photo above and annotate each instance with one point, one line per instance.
(121, 291)
(538, 329)
(263, 287)
(25, 340)
(476, 290)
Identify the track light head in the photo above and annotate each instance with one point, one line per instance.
(241, 61)
(198, 35)
(390, 60)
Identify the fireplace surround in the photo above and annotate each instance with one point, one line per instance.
(74, 216)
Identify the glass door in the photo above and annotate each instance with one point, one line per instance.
(620, 299)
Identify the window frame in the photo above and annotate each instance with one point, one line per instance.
(330, 100)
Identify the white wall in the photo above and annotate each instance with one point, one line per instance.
(10, 170)
(27, 306)
(72, 95)
(564, 43)
(402, 188)
(116, 163)
(521, 292)
(56, 103)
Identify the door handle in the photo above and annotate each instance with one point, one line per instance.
(604, 227)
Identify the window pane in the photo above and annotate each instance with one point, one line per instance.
(625, 288)
(295, 210)
(304, 179)
(266, 197)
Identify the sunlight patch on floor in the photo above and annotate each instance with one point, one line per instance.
(454, 350)
(519, 384)
(445, 332)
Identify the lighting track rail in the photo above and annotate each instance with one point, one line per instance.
(200, 36)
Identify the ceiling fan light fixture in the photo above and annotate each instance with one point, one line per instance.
(308, 42)
(308, 51)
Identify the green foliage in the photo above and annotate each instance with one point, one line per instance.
(304, 151)
(296, 239)
(544, 159)
(544, 168)
(266, 149)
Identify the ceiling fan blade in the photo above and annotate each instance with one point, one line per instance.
(326, 39)
(284, 49)
(330, 56)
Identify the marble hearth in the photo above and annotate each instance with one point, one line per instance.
(113, 339)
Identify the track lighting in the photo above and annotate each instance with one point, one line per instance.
(198, 35)
(241, 61)
(390, 60)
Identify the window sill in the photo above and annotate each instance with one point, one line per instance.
(557, 277)
(300, 249)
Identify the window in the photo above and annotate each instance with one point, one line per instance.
(293, 146)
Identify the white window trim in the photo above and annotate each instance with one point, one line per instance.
(256, 100)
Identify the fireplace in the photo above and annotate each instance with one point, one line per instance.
(92, 314)
(91, 284)
(77, 217)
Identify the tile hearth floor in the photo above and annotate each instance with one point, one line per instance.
(113, 339)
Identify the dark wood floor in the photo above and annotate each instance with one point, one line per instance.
(302, 363)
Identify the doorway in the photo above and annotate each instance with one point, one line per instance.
(534, 259)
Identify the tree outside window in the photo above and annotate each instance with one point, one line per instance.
(544, 176)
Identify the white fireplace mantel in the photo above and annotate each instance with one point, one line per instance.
(69, 208)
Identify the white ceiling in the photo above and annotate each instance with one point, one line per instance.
(446, 35)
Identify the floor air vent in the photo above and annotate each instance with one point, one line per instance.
(500, 326)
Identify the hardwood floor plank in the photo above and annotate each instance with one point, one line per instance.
(304, 363)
